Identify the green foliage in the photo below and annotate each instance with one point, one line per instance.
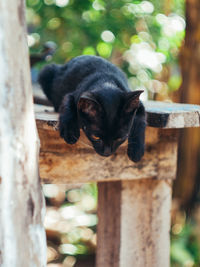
(140, 36)
(185, 246)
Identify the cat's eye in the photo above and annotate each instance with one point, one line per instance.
(95, 138)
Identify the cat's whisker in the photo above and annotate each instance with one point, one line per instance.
(85, 144)
(82, 142)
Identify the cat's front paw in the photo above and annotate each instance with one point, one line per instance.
(69, 133)
(135, 153)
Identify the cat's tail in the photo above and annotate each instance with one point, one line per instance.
(46, 78)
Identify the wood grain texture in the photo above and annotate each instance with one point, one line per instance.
(63, 163)
(22, 235)
(134, 223)
(60, 162)
(172, 115)
(145, 224)
(109, 219)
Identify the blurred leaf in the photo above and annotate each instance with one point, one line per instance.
(174, 82)
(78, 27)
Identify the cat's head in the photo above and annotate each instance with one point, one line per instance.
(106, 117)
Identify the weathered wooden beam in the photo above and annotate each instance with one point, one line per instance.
(22, 235)
(159, 114)
(63, 163)
(109, 224)
(134, 223)
(60, 162)
(172, 115)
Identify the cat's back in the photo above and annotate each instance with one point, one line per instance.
(86, 65)
(79, 69)
(58, 80)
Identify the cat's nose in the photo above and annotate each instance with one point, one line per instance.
(107, 151)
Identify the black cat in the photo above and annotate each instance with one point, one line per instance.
(91, 93)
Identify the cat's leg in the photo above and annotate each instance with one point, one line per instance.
(68, 121)
(136, 140)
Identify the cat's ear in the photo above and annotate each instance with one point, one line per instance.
(132, 101)
(87, 104)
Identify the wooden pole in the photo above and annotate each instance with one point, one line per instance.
(134, 223)
(134, 215)
(189, 141)
(22, 240)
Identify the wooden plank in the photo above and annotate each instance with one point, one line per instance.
(159, 115)
(78, 163)
(39, 96)
(22, 240)
(134, 223)
(172, 115)
(60, 162)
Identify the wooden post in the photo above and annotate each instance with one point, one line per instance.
(22, 240)
(134, 223)
(134, 215)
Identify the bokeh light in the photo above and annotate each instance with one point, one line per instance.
(107, 36)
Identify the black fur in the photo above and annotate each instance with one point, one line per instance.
(93, 94)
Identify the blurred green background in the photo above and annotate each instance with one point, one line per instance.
(150, 32)
(143, 38)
